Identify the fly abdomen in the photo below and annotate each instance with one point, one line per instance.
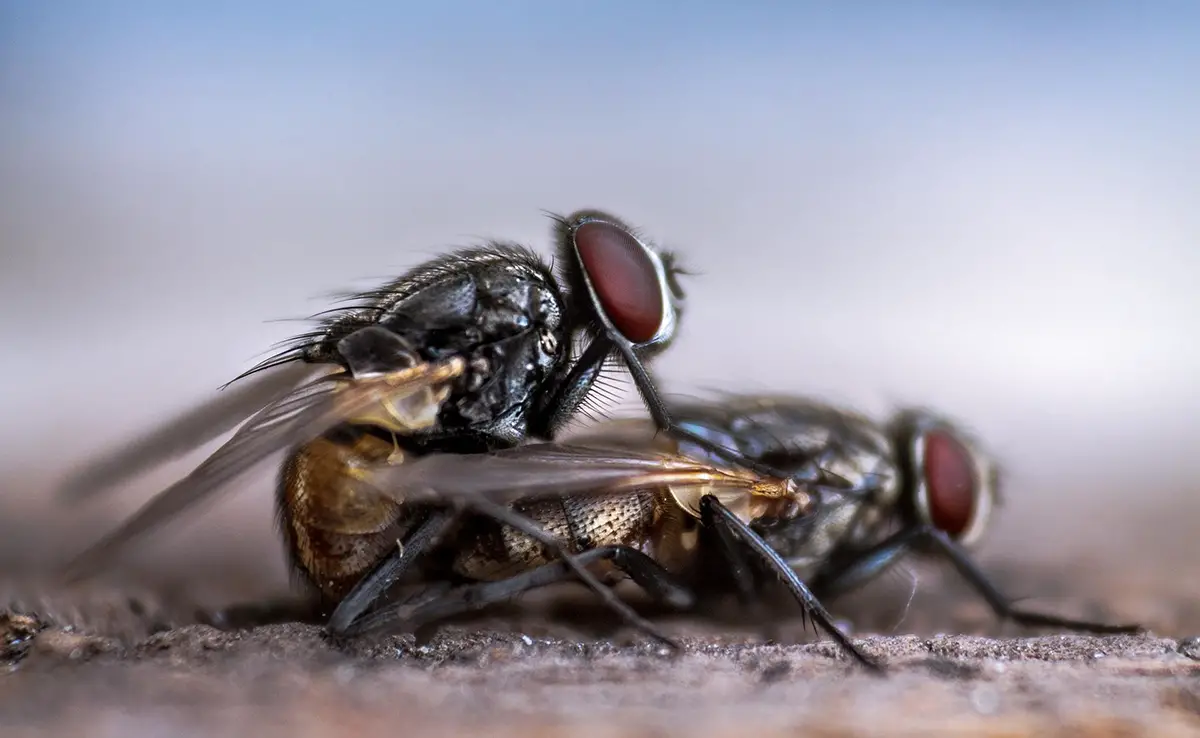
(334, 532)
(582, 522)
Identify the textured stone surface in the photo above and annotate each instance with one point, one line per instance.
(115, 662)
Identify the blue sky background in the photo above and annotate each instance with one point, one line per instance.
(985, 207)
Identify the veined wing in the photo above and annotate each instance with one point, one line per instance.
(186, 431)
(561, 469)
(407, 398)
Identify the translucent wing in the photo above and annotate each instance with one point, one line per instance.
(186, 431)
(561, 469)
(404, 397)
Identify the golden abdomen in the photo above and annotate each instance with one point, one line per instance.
(491, 551)
(335, 531)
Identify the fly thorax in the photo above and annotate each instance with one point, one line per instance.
(501, 375)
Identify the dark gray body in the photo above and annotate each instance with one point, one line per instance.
(791, 433)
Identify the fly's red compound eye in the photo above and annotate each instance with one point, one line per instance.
(625, 277)
(950, 481)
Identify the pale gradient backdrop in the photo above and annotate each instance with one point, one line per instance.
(988, 208)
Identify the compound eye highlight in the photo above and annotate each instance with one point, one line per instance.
(625, 277)
(951, 483)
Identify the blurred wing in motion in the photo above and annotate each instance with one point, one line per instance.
(185, 432)
(403, 400)
(561, 469)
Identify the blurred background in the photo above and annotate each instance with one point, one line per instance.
(986, 208)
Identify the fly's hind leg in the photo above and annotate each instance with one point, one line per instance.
(647, 573)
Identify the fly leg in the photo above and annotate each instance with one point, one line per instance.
(716, 514)
(569, 391)
(860, 566)
(739, 565)
(647, 573)
(811, 475)
(555, 548)
(571, 388)
(661, 416)
(746, 579)
(365, 593)
(375, 584)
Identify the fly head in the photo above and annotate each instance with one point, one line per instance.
(949, 482)
(619, 284)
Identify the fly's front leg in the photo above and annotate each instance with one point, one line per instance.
(714, 513)
(739, 565)
(745, 578)
(858, 567)
(568, 391)
(811, 475)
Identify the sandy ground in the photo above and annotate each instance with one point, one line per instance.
(124, 660)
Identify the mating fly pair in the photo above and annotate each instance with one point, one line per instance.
(419, 401)
(420, 425)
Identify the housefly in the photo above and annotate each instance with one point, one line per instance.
(467, 353)
(918, 483)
